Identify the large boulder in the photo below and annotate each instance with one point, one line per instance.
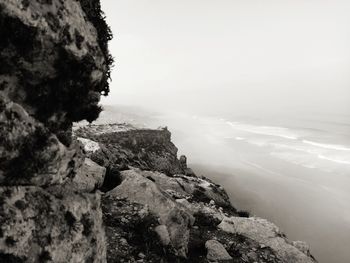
(88, 178)
(137, 188)
(89, 145)
(267, 235)
(217, 252)
(199, 189)
(57, 226)
(132, 230)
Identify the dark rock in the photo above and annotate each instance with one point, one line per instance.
(38, 56)
(37, 225)
(30, 154)
(142, 148)
(54, 67)
(136, 188)
(131, 229)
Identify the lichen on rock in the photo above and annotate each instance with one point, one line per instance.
(52, 61)
(54, 67)
(55, 225)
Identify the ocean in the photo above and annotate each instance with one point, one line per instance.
(292, 170)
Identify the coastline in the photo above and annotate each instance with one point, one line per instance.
(150, 158)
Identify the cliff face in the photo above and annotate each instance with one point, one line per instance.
(152, 216)
(54, 67)
(58, 194)
(123, 146)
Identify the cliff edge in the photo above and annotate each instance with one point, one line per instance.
(165, 213)
(54, 68)
(109, 193)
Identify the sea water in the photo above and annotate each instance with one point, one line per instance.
(293, 171)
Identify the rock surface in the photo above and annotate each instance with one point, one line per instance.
(55, 203)
(188, 218)
(127, 146)
(56, 226)
(54, 67)
(88, 178)
(137, 188)
(217, 252)
(29, 153)
(267, 235)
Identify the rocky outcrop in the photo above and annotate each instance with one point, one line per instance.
(58, 194)
(88, 178)
(217, 252)
(50, 226)
(122, 146)
(267, 235)
(54, 67)
(52, 63)
(137, 188)
(186, 218)
(30, 154)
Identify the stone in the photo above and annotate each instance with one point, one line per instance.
(183, 161)
(41, 42)
(163, 234)
(267, 235)
(217, 252)
(198, 188)
(135, 187)
(89, 177)
(302, 246)
(29, 153)
(89, 145)
(123, 146)
(54, 68)
(60, 226)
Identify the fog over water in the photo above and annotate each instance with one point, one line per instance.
(256, 94)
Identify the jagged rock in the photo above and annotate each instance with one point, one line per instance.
(88, 178)
(135, 187)
(89, 145)
(58, 226)
(131, 230)
(163, 234)
(206, 201)
(29, 153)
(54, 67)
(217, 252)
(197, 188)
(183, 161)
(146, 149)
(302, 246)
(267, 235)
(52, 63)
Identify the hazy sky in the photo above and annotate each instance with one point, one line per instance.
(231, 55)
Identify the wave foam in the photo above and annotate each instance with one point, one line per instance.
(327, 146)
(264, 130)
(333, 159)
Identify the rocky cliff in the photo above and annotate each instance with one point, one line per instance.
(165, 213)
(54, 67)
(109, 193)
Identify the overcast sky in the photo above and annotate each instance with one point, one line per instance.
(222, 55)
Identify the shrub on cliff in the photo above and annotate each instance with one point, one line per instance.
(96, 16)
(51, 64)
